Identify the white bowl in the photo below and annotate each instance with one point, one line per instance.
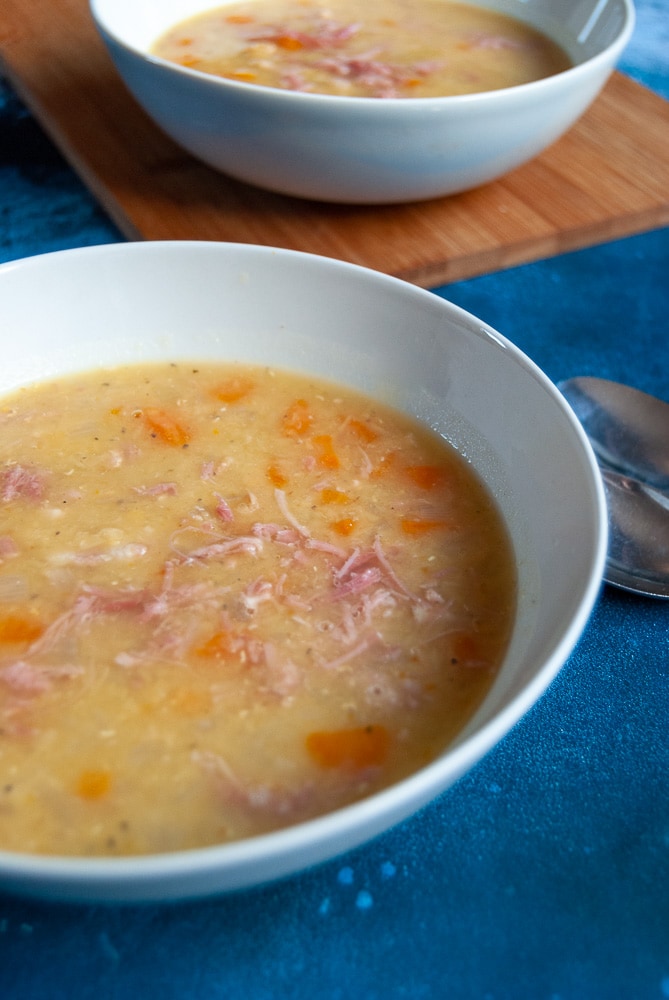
(365, 150)
(80, 309)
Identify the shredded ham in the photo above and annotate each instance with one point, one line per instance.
(159, 489)
(223, 509)
(25, 678)
(8, 547)
(219, 547)
(22, 482)
(268, 799)
(282, 504)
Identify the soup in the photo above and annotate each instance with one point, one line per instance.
(392, 48)
(231, 599)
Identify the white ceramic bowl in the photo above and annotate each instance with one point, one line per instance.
(365, 150)
(80, 309)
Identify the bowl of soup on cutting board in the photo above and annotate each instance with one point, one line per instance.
(401, 100)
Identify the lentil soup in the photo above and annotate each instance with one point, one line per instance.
(231, 599)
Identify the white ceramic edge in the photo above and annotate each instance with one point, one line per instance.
(245, 864)
(606, 58)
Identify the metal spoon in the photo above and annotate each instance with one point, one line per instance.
(629, 432)
(628, 429)
(638, 552)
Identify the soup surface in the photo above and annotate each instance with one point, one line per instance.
(231, 599)
(387, 48)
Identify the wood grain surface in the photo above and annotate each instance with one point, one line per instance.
(607, 178)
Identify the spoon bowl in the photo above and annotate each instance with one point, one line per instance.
(628, 429)
(629, 432)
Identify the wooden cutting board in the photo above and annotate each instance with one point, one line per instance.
(607, 178)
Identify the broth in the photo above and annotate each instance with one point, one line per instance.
(231, 599)
(394, 48)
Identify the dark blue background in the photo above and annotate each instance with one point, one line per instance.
(543, 874)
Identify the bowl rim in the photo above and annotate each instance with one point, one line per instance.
(608, 56)
(242, 864)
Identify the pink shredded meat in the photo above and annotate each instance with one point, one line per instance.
(22, 482)
(8, 547)
(159, 489)
(273, 800)
(25, 678)
(223, 509)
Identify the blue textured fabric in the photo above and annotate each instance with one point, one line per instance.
(543, 874)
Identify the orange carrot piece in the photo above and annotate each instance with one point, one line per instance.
(93, 784)
(276, 476)
(17, 628)
(425, 476)
(216, 647)
(288, 42)
(362, 430)
(365, 746)
(297, 419)
(164, 426)
(239, 19)
(419, 526)
(237, 386)
(327, 456)
(329, 495)
(345, 527)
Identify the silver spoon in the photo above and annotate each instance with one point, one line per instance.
(629, 432)
(628, 429)
(638, 552)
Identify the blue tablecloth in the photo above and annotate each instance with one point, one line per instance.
(543, 874)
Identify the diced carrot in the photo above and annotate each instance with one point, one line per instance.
(17, 628)
(330, 495)
(297, 419)
(327, 456)
(345, 527)
(93, 784)
(164, 426)
(288, 42)
(363, 430)
(237, 386)
(188, 59)
(276, 476)
(239, 19)
(216, 647)
(245, 75)
(365, 746)
(419, 526)
(425, 476)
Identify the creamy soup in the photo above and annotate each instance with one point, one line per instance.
(231, 599)
(386, 48)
